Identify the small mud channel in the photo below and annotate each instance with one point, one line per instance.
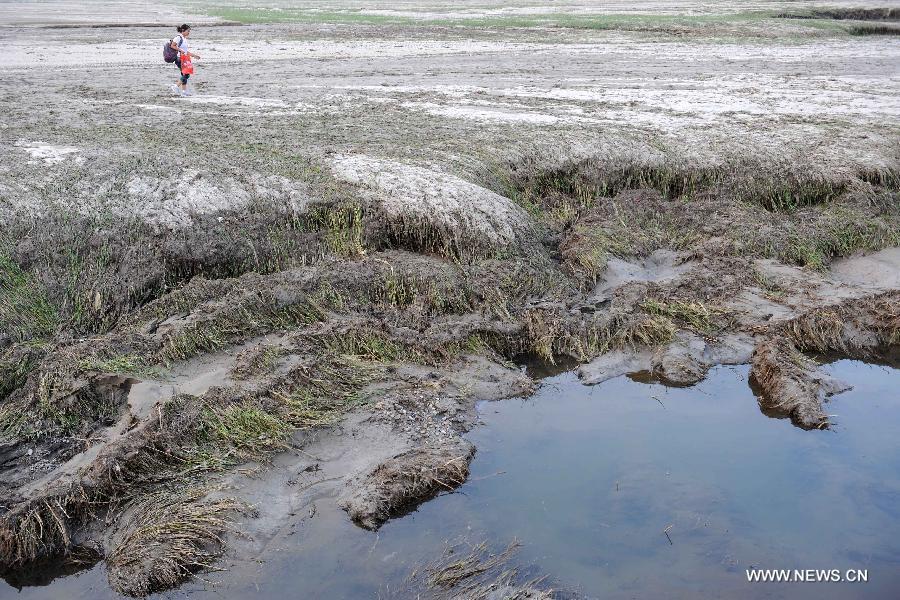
(589, 478)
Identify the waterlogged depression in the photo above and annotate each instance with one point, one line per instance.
(591, 478)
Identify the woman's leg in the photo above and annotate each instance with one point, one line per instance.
(182, 81)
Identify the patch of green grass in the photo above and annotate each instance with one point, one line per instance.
(25, 311)
(368, 345)
(697, 315)
(236, 322)
(245, 428)
(342, 226)
(124, 363)
(299, 15)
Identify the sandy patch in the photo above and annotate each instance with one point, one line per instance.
(50, 154)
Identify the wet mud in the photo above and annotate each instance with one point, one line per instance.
(190, 355)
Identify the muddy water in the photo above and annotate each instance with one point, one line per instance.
(588, 479)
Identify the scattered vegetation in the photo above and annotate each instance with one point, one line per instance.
(696, 315)
(25, 311)
(133, 364)
(477, 572)
(172, 534)
(258, 360)
(248, 315)
(342, 225)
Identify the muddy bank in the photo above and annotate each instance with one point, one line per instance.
(403, 343)
(357, 253)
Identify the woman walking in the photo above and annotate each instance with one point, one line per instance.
(180, 45)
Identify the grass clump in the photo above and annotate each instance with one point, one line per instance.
(25, 311)
(253, 314)
(124, 363)
(697, 315)
(550, 334)
(369, 345)
(245, 428)
(171, 535)
(342, 226)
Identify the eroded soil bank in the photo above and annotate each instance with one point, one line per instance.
(374, 229)
(693, 462)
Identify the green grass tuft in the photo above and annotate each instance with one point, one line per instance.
(25, 311)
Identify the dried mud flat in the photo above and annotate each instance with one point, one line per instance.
(317, 264)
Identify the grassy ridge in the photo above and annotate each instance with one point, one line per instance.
(701, 23)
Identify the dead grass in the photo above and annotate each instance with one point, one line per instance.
(42, 528)
(475, 572)
(858, 327)
(785, 378)
(249, 315)
(549, 334)
(171, 536)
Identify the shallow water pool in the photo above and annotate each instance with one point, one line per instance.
(590, 479)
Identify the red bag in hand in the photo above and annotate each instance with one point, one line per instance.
(187, 66)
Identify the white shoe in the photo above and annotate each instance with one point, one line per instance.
(185, 94)
(175, 89)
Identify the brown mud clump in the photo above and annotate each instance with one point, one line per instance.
(790, 382)
(406, 480)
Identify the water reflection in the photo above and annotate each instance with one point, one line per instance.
(591, 479)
